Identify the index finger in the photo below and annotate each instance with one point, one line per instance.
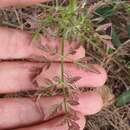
(16, 44)
(6, 3)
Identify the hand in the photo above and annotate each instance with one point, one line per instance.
(32, 73)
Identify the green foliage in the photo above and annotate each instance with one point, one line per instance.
(123, 99)
(70, 21)
(129, 29)
(115, 38)
(127, 7)
(105, 11)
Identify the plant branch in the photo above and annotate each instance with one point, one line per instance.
(62, 76)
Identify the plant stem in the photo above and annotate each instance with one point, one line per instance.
(62, 75)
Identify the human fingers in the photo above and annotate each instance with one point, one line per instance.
(16, 44)
(26, 112)
(85, 77)
(18, 76)
(7, 3)
(23, 76)
(57, 124)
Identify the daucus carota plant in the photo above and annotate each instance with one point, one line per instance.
(71, 23)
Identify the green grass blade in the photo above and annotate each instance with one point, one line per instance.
(115, 38)
(123, 99)
(129, 29)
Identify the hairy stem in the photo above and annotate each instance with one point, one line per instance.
(62, 75)
(63, 81)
